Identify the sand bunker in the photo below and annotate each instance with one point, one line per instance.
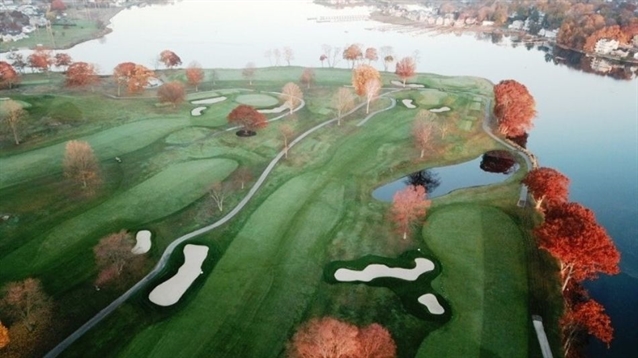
(439, 110)
(411, 85)
(209, 100)
(197, 111)
(143, 242)
(408, 103)
(376, 270)
(279, 109)
(170, 291)
(431, 303)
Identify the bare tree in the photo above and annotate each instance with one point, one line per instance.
(268, 55)
(277, 54)
(372, 90)
(81, 165)
(289, 55)
(343, 101)
(12, 115)
(286, 132)
(218, 192)
(423, 133)
(112, 253)
(291, 95)
(27, 302)
(241, 176)
(249, 72)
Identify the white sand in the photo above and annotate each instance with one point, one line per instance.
(376, 270)
(209, 100)
(169, 292)
(411, 85)
(439, 110)
(143, 242)
(197, 111)
(431, 303)
(279, 109)
(408, 103)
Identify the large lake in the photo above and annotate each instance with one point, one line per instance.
(587, 126)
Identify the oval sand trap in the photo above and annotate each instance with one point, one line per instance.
(411, 85)
(431, 303)
(377, 270)
(408, 103)
(143, 242)
(169, 292)
(209, 100)
(439, 110)
(197, 111)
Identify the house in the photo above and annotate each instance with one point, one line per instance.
(516, 25)
(605, 46)
(487, 23)
(600, 65)
(634, 41)
(619, 53)
(470, 20)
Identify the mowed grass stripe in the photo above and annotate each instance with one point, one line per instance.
(261, 267)
(106, 144)
(484, 278)
(169, 191)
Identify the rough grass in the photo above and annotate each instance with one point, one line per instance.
(485, 280)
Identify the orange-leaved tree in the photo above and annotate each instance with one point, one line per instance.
(571, 234)
(376, 342)
(194, 74)
(80, 164)
(547, 186)
(342, 101)
(408, 207)
(41, 60)
(307, 77)
(27, 302)
(4, 336)
(353, 54)
(81, 74)
(12, 116)
(286, 132)
(371, 54)
(170, 59)
(585, 317)
(248, 118)
(8, 75)
(361, 75)
(514, 108)
(291, 95)
(405, 68)
(172, 92)
(121, 74)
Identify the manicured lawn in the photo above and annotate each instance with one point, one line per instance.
(484, 277)
(257, 100)
(63, 37)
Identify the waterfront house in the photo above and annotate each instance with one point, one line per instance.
(605, 46)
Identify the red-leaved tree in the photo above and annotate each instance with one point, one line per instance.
(112, 254)
(547, 185)
(121, 74)
(405, 68)
(27, 302)
(307, 77)
(248, 118)
(8, 76)
(371, 54)
(62, 60)
(585, 317)
(81, 74)
(408, 207)
(515, 108)
(376, 342)
(353, 54)
(41, 60)
(194, 74)
(172, 92)
(170, 59)
(571, 234)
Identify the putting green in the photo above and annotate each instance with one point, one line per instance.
(484, 278)
(167, 192)
(257, 100)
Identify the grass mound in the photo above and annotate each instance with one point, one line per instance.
(484, 278)
(187, 135)
(257, 100)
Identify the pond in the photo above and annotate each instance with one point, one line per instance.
(442, 180)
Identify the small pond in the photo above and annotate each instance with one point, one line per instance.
(442, 180)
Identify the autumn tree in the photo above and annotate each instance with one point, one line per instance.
(405, 68)
(571, 234)
(27, 302)
(342, 101)
(249, 72)
(17, 60)
(387, 61)
(194, 74)
(80, 164)
(408, 207)
(423, 135)
(12, 116)
(4, 336)
(81, 74)
(172, 92)
(248, 118)
(376, 342)
(139, 79)
(498, 161)
(8, 76)
(307, 77)
(514, 108)
(62, 60)
(112, 254)
(547, 185)
(362, 75)
(585, 317)
(372, 88)
(353, 54)
(41, 60)
(218, 192)
(291, 95)
(289, 55)
(323, 338)
(170, 59)
(331, 54)
(122, 73)
(322, 58)
(58, 5)
(371, 54)
(286, 132)
(241, 176)
(386, 53)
